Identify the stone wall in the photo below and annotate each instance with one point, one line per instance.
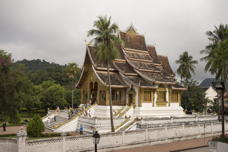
(152, 135)
(8, 145)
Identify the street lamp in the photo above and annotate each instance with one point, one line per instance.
(96, 139)
(220, 86)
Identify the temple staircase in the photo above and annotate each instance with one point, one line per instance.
(127, 124)
(62, 123)
(122, 112)
(58, 120)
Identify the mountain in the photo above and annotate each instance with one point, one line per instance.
(36, 65)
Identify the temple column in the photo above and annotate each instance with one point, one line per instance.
(136, 97)
(167, 95)
(155, 98)
(179, 98)
(107, 96)
(152, 97)
(98, 96)
(127, 98)
(140, 95)
(170, 96)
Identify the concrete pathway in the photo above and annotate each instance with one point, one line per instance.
(11, 130)
(15, 129)
(177, 146)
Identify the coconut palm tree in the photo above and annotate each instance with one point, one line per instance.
(72, 70)
(186, 67)
(106, 41)
(217, 52)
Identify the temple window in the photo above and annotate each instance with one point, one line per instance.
(147, 96)
(161, 96)
(174, 96)
(114, 95)
(117, 97)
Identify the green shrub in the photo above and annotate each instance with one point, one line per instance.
(8, 135)
(35, 127)
(221, 139)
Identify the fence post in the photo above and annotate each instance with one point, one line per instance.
(146, 134)
(212, 129)
(200, 133)
(64, 142)
(21, 141)
(166, 132)
(183, 127)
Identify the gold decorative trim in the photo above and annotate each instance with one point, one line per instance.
(141, 60)
(135, 50)
(119, 60)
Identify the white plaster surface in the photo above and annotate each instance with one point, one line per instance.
(8, 145)
(221, 147)
(84, 143)
(210, 93)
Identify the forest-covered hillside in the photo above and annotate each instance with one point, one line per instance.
(37, 64)
(34, 86)
(39, 71)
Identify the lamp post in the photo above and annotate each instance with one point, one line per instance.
(220, 86)
(96, 139)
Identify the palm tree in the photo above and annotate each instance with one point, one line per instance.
(186, 67)
(71, 70)
(217, 52)
(106, 39)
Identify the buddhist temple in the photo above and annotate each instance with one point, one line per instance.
(140, 79)
(144, 91)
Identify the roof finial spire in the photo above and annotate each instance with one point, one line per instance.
(131, 29)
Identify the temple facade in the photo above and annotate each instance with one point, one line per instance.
(140, 79)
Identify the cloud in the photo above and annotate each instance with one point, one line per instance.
(55, 30)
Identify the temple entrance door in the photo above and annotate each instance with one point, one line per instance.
(93, 92)
(130, 99)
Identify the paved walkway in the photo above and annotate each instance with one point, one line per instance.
(10, 130)
(15, 129)
(169, 147)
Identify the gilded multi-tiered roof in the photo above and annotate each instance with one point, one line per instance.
(138, 64)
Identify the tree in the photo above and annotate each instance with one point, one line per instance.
(72, 69)
(68, 97)
(32, 98)
(194, 98)
(14, 88)
(52, 95)
(105, 41)
(217, 52)
(186, 67)
(35, 127)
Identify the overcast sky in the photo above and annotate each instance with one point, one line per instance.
(56, 30)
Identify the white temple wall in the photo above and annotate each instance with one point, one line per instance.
(68, 127)
(112, 140)
(175, 104)
(8, 145)
(147, 104)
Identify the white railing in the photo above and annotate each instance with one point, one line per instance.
(111, 140)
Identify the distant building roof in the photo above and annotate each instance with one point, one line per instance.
(206, 83)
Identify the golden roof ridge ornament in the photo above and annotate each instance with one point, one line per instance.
(131, 30)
